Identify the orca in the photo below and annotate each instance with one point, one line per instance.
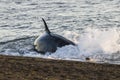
(49, 42)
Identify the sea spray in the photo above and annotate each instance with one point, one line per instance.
(96, 40)
(97, 45)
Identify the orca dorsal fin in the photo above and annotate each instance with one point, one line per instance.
(46, 27)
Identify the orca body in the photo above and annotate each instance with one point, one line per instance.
(49, 41)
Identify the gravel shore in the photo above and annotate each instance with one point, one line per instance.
(26, 68)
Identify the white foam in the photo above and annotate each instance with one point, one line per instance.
(95, 40)
(95, 44)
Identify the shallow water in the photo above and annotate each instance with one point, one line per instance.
(94, 25)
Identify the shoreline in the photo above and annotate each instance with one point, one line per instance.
(29, 68)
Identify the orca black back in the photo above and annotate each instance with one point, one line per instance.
(46, 27)
(49, 41)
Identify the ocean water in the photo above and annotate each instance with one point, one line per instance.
(94, 25)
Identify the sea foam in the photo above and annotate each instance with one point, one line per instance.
(95, 45)
(98, 45)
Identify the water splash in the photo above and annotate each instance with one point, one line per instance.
(98, 45)
(95, 45)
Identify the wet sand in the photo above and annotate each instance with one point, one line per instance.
(25, 68)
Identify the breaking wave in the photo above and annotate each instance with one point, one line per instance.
(95, 45)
